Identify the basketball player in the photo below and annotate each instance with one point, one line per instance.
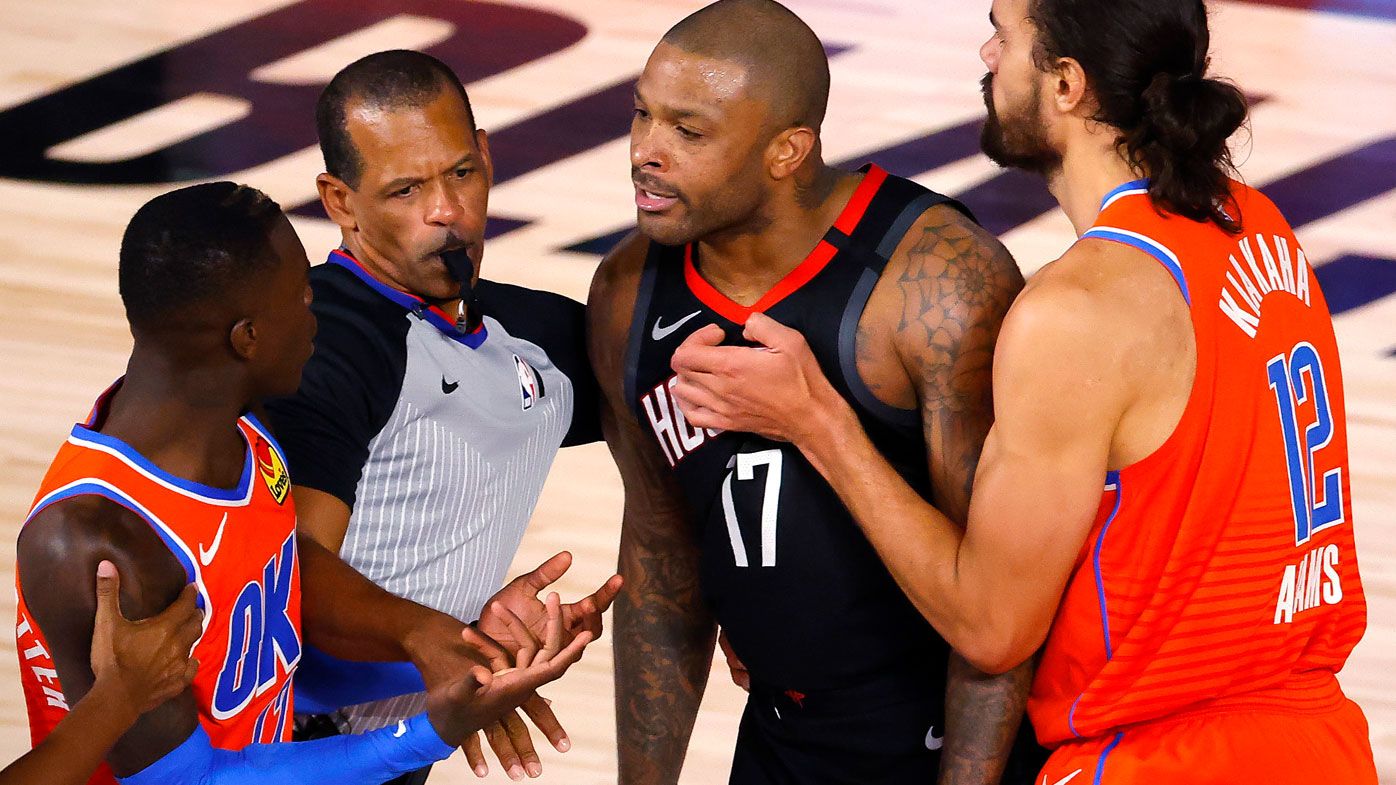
(424, 370)
(738, 214)
(171, 479)
(137, 666)
(1181, 355)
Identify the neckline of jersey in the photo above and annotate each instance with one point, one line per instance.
(432, 314)
(805, 271)
(1140, 186)
(85, 434)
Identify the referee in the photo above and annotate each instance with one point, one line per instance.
(430, 413)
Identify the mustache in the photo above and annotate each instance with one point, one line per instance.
(450, 243)
(652, 184)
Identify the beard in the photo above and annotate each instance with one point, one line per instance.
(1017, 139)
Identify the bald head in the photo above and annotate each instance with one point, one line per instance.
(785, 63)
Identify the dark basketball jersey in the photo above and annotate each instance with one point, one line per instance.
(805, 600)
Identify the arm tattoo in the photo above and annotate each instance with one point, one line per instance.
(956, 286)
(664, 641)
(663, 634)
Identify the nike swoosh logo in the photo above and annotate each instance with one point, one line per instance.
(934, 742)
(660, 332)
(1063, 780)
(448, 387)
(401, 730)
(206, 556)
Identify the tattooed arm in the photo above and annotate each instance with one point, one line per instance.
(954, 283)
(664, 634)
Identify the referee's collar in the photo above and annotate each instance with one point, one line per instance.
(418, 306)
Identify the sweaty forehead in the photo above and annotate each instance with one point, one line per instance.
(695, 77)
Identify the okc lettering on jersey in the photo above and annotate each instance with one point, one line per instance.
(677, 439)
(261, 636)
(1312, 582)
(1246, 286)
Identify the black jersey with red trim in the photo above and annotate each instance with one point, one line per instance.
(804, 598)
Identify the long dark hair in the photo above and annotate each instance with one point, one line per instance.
(1146, 62)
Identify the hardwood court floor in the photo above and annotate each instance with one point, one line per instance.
(555, 94)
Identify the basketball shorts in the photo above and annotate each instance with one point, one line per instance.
(1232, 747)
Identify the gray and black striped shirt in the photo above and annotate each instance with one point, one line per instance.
(439, 442)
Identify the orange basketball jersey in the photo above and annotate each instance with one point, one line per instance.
(1220, 572)
(237, 546)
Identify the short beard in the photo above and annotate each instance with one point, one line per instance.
(1017, 141)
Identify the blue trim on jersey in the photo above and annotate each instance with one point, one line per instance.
(1149, 247)
(1132, 185)
(198, 489)
(1100, 766)
(423, 309)
(93, 489)
(1110, 478)
(265, 432)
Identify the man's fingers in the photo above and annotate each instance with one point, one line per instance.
(528, 645)
(504, 750)
(540, 711)
(523, 743)
(553, 643)
(766, 331)
(495, 655)
(108, 593)
(704, 359)
(604, 596)
(693, 393)
(547, 573)
(475, 755)
(570, 655)
(707, 418)
(708, 335)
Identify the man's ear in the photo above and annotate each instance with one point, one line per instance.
(334, 196)
(789, 151)
(1068, 85)
(482, 141)
(243, 338)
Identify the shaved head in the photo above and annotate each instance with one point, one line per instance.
(785, 62)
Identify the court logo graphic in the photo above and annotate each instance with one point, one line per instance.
(273, 471)
(530, 382)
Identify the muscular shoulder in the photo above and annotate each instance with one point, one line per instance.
(1092, 329)
(938, 305)
(58, 553)
(1107, 296)
(611, 305)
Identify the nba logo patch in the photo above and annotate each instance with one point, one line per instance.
(273, 471)
(530, 383)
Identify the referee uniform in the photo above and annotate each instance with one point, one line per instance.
(439, 441)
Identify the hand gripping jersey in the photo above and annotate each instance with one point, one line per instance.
(1220, 573)
(805, 600)
(237, 546)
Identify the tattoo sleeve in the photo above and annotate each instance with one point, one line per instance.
(956, 286)
(663, 635)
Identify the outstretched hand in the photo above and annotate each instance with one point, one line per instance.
(481, 698)
(147, 661)
(520, 598)
(776, 389)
